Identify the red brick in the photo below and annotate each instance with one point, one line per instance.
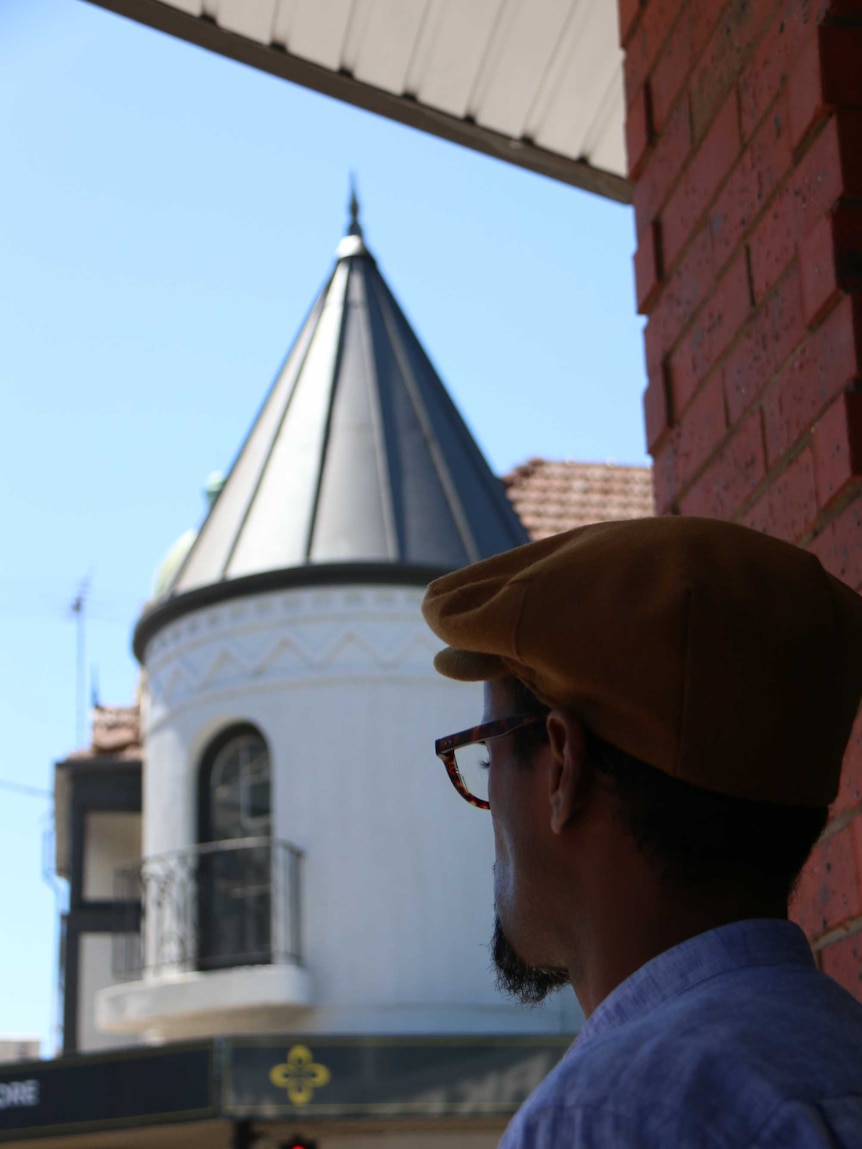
(684, 378)
(733, 477)
(788, 508)
(833, 885)
(684, 292)
(765, 344)
(657, 414)
(847, 233)
(706, 171)
(701, 430)
(805, 91)
(654, 346)
(763, 165)
(825, 365)
(663, 168)
(803, 908)
(809, 194)
(849, 128)
(722, 60)
(706, 16)
(680, 54)
(792, 27)
(817, 957)
(629, 10)
(714, 327)
(664, 478)
(841, 55)
(843, 9)
(839, 546)
(837, 443)
(653, 28)
(761, 81)
(638, 129)
(784, 310)
(842, 960)
(747, 370)
(647, 263)
(816, 259)
(850, 789)
(672, 68)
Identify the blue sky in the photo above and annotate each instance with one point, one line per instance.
(167, 218)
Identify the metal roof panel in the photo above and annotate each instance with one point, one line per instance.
(208, 558)
(252, 18)
(279, 523)
(358, 454)
(318, 29)
(391, 32)
(527, 81)
(519, 56)
(354, 516)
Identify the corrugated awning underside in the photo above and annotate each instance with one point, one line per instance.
(537, 83)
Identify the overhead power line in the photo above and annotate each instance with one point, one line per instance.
(21, 788)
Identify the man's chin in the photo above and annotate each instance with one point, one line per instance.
(529, 984)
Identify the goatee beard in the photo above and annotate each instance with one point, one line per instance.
(529, 984)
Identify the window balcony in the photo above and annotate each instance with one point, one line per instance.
(205, 935)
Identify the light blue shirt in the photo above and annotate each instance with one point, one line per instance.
(732, 1040)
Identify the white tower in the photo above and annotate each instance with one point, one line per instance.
(308, 868)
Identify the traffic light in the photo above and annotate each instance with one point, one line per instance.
(298, 1143)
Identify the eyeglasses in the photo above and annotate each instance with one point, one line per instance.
(465, 755)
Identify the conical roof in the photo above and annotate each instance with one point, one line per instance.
(357, 459)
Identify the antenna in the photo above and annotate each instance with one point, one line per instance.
(79, 609)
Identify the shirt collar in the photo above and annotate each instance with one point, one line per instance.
(753, 942)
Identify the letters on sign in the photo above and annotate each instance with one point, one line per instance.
(17, 1094)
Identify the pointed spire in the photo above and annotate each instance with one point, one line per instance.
(358, 460)
(353, 242)
(353, 206)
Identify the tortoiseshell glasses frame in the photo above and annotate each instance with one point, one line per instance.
(445, 749)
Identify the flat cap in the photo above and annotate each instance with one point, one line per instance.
(717, 654)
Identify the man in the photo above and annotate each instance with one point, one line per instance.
(667, 702)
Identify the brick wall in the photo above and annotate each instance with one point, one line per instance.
(744, 131)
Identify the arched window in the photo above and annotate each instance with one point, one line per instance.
(234, 868)
(235, 786)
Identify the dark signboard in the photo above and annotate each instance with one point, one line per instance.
(108, 1090)
(274, 1077)
(383, 1077)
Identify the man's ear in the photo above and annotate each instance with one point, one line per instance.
(569, 777)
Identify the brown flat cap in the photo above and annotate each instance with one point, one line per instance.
(717, 654)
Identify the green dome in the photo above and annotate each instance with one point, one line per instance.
(169, 567)
(171, 563)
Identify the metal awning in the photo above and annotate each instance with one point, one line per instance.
(537, 83)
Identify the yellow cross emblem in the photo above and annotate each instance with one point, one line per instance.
(300, 1075)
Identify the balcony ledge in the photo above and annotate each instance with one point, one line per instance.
(174, 1000)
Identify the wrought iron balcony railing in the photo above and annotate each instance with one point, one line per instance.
(217, 905)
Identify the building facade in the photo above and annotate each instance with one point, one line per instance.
(276, 897)
(734, 129)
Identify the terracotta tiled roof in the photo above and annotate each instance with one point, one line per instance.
(116, 732)
(555, 496)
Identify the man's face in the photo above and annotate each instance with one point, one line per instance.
(522, 947)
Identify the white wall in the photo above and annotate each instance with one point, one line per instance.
(397, 884)
(111, 838)
(95, 973)
(19, 1049)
